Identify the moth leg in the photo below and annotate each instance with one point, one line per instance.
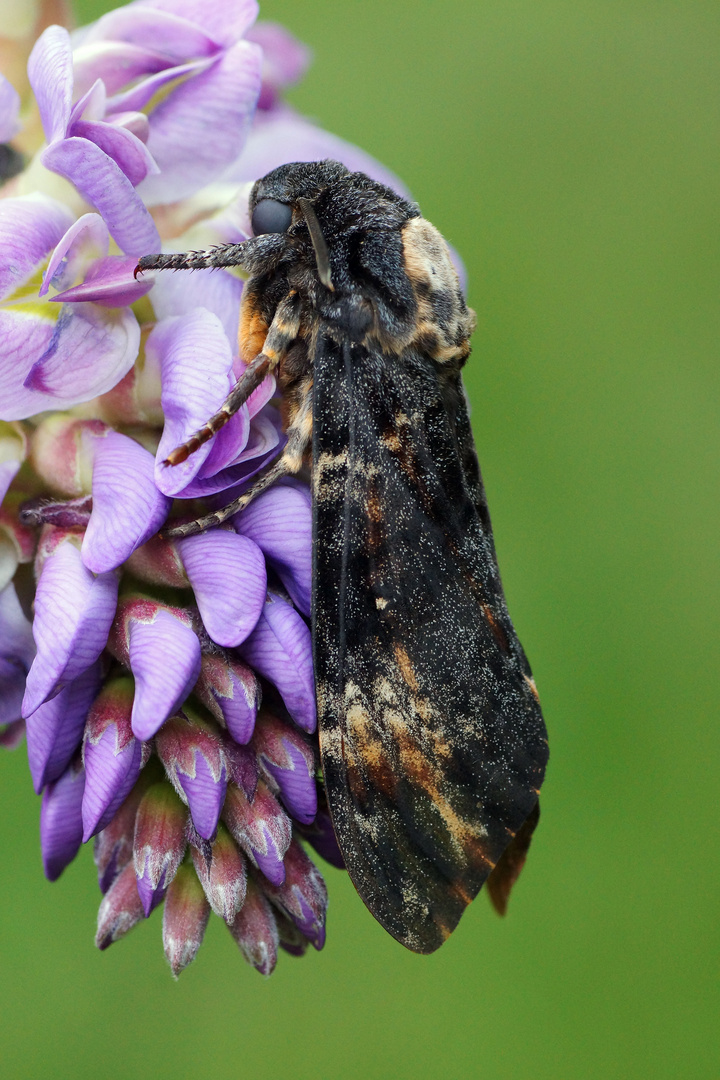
(215, 257)
(290, 462)
(281, 333)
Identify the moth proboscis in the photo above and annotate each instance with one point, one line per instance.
(432, 742)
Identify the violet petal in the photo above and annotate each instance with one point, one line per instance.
(105, 186)
(74, 610)
(127, 151)
(196, 366)
(280, 523)
(55, 729)
(61, 821)
(9, 110)
(127, 507)
(216, 290)
(202, 125)
(110, 281)
(229, 581)
(165, 661)
(87, 239)
(30, 227)
(280, 648)
(110, 774)
(205, 794)
(90, 349)
(51, 77)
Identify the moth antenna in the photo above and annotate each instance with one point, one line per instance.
(322, 256)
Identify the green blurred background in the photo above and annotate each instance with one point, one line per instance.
(570, 152)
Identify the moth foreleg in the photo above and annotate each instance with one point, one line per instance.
(215, 257)
(288, 463)
(281, 333)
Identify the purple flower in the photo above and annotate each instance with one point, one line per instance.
(139, 664)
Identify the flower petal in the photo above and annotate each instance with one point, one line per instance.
(229, 581)
(110, 281)
(9, 110)
(87, 352)
(61, 821)
(282, 135)
(225, 20)
(196, 367)
(103, 183)
(201, 126)
(216, 290)
(55, 729)
(110, 775)
(87, 239)
(50, 72)
(165, 660)
(30, 227)
(280, 523)
(285, 59)
(74, 611)
(127, 507)
(280, 648)
(127, 151)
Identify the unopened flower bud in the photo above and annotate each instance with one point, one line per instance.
(192, 753)
(185, 916)
(120, 909)
(61, 820)
(230, 692)
(61, 454)
(159, 843)
(302, 896)
(223, 875)
(261, 828)
(113, 756)
(113, 848)
(288, 761)
(255, 930)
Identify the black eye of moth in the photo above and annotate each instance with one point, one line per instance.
(271, 216)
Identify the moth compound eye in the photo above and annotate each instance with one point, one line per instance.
(271, 216)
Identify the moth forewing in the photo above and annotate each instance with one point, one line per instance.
(432, 742)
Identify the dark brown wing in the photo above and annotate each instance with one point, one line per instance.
(432, 742)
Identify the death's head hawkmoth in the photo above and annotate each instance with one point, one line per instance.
(432, 743)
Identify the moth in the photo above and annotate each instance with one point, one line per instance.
(432, 742)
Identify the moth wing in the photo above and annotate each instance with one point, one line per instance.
(432, 741)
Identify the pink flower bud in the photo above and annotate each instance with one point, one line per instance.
(185, 917)
(223, 875)
(114, 845)
(61, 456)
(120, 909)
(159, 843)
(255, 930)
